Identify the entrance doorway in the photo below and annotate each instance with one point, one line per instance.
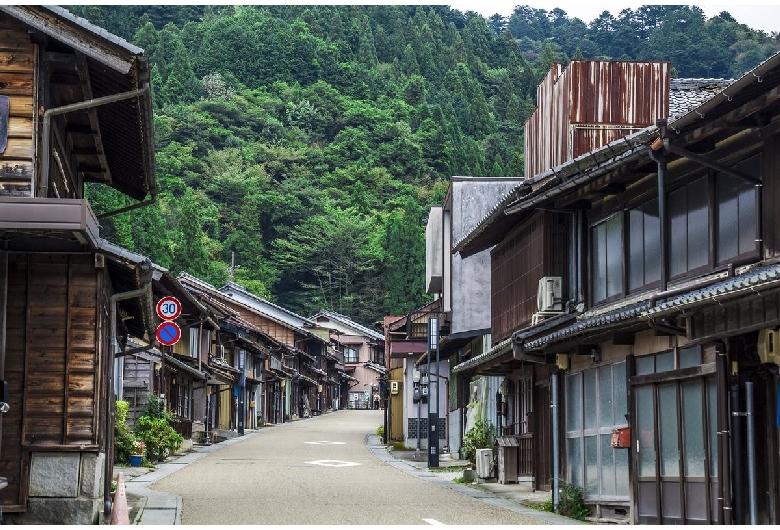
(676, 462)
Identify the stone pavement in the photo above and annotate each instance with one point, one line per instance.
(151, 507)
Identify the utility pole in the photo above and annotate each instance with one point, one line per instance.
(433, 417)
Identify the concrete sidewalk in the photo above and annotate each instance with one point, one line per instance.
(150, 507)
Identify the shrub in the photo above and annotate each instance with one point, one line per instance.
(159, 437)
(380, 431)
(480, 436)
(123, 436)
(154, 428)
(571, 502)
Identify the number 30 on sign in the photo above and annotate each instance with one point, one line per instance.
(168, 308)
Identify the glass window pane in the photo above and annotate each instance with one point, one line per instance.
(693, 429)
(690, 357)
(664, 362)
(619, 393)
(645, 419)
(698, 224)
(591, 465)
(590, 399)
(636, 249)
(712, 427)
(645, 365)
(678, 230)
(727, 195)
(574, 461)
(573, 403)
(614, 256)
(605, 396)
(652, 242)
(607, 464)
(670, 457)
(599, 238)
(747, 218)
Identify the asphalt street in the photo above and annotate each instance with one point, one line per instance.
(320, 472)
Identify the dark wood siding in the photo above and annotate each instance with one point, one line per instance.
(17, 81)
(535, 249)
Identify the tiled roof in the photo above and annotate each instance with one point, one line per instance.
(496, 351)
(686, 94)
(350, 323)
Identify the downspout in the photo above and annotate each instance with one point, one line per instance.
(144, 271)
(43, 186)
(556, 450)
(737, 468)
(724, 486)
(751, 451)
(656, 153)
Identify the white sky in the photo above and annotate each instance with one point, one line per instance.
(757, 15)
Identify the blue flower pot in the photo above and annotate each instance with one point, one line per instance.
(135, 460)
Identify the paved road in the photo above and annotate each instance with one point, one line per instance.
(315, 472)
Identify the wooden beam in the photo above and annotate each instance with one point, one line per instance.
(93, 117)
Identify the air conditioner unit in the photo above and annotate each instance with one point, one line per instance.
(548, 296)
(484, 458)
(769, 346)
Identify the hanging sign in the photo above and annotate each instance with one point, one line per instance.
(168, 308)
(168, 333)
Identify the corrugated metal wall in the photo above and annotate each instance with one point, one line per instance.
(590, 104)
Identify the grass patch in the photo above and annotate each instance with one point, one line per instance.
(448, 469)
(546, 506)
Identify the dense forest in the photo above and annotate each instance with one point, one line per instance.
(304, 144)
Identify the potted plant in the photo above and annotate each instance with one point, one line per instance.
(139, 449)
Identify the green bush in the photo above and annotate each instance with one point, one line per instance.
(571, 502)
(123, 436)
(480, 436)
(380, 431)
(154, 428)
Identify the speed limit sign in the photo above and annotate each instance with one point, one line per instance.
(168, 308)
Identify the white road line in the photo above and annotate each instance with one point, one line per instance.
(434, 522)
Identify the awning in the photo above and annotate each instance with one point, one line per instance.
(376, 367)
(404, 348)
(308, 380)
(496, 351)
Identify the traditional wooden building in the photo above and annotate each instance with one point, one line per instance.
(662, 305)
(75, 107)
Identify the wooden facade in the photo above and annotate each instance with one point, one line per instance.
(55, 289)
(665, 333)
(537, 248)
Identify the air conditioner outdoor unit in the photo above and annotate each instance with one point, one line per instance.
(484, 458)
(548, 296)
(769, 346)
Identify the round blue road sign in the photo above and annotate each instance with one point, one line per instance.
(168, 333)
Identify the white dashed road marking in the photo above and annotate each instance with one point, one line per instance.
(325, 442)
(332, 463)
(434, 522)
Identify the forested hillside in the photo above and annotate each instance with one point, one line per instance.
(306, 142)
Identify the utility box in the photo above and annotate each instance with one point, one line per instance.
(484, 463)
(508, 455)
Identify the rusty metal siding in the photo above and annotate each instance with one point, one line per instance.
(545, 140)
(589, 104)
(17, 82)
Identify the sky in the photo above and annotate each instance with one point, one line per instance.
(762, 16)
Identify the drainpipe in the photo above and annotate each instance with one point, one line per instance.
(556, 462)
(656, 153)
(724, 486)
(43, 185)
(751, 451)
(144, 271)
(737, 469)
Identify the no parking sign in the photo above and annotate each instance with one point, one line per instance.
(168, 333)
